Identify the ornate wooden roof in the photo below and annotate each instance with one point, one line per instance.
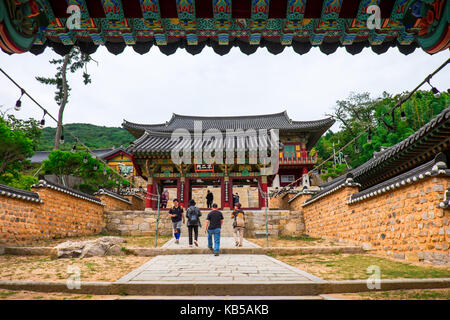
(315, 129)
(223, 24)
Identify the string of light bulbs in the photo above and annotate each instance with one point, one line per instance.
(435, 92)
(18, 106)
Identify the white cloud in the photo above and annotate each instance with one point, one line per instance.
(148, 88)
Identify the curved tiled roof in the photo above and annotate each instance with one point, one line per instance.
(393, 157)
(72, 192)
(155, 141)
(266, 121)
(20, 194)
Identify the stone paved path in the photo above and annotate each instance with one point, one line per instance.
(201, 268)
(225, 242)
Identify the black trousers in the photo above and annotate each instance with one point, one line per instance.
(190, 229)
(209, 203)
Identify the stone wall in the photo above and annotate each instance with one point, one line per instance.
(137, 203)
(112, 203)
(404, 223)
(137, 223)
(55, 214)
(280, 223)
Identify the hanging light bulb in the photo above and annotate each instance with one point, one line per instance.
(436, 92)
(18, 105)
(43, 119)
(19, 102)
(403, 116)
(85, 159)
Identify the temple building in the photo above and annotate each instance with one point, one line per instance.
(192, 25)
(239, 171)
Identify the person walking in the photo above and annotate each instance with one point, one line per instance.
(209, 199)
(164, 199)
(238, 217)
(178, 219)
(213, 225)
(193, 215)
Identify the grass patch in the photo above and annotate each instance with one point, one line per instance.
(354, 266)
(4, 295)
(304, 237)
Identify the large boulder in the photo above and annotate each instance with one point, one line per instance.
(90, 248)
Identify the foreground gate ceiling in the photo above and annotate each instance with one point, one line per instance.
(33, 25)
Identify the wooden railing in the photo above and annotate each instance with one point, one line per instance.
(299, 160)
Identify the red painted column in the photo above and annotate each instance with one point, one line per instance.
(186, 199)
(148, 198)
(263, 183)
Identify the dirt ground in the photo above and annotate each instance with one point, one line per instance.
(43, 268)
(31, 295)
(131, 241)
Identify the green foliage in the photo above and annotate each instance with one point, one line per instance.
(76, 60)
(94, 137)
(18, 180)
(82, 164)
(359, 112)
(19, 139)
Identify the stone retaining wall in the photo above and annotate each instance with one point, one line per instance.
(405, 223)
(57, 213)
(280, 222)
(137, 223)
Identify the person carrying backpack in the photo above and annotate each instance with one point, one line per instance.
(193, 215)
(238, 224)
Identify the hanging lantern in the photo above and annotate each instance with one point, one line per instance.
(18, 105)
(436, 92)
(43, 119)
(356, 148)
(403, 116)
(369, 137)
(95, 167)
(19, 102)
(61, 139)
(85, 159)
(74, 148)
(104, 172)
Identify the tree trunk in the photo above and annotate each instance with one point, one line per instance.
(63, 102)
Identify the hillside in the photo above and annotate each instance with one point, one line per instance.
(95, 137)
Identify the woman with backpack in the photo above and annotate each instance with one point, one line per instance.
(193, 215)
(238, 224)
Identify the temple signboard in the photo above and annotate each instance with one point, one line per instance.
(204, 167)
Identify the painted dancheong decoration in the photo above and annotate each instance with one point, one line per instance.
(33, 25)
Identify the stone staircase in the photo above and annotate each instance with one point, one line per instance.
(227, 227)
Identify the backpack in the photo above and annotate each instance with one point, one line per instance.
(239, 219)
(193, 214)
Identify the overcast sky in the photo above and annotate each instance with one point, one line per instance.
(149, 88)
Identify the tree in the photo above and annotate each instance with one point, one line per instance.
(93, 172)
(72, 61)
(19, 139)
(359, 112)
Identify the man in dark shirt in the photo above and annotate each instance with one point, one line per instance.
(178, 219)
(213, 226)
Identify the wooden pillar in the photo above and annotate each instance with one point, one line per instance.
(227, 199)
(263, 183)
(148, 200)
(179, 188)
(185, 201)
